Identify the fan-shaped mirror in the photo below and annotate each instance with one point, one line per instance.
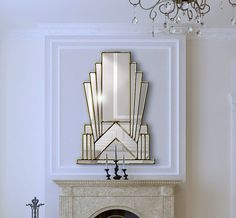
(116, 96)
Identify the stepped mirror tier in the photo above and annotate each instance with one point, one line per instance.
(116, 95)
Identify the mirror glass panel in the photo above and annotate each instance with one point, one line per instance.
(116, 87)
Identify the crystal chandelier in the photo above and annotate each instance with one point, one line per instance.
(180, 16)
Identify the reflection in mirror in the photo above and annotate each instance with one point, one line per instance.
(142, 100)
(132, 94)
(88, 93)
(98, 68)
(137, 93)
(115, 87)
(95, 101)
(116, 96)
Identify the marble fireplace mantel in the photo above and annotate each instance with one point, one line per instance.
(145, 198)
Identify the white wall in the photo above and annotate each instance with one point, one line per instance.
(206, 193)
(2, 125)
(22, 166)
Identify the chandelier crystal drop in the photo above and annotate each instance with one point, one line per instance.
(233, 19)
(180, 16)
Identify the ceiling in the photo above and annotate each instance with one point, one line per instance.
(29, 13)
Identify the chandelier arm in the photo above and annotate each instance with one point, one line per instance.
(162, 9)
(133, 3)
(140, 3)
(188, 11)
(203, 5)
(189, 14)
(202, 8)
(232, 2)
(153, 13)
(174, 13)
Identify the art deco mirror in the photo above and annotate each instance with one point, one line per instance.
(116, 95)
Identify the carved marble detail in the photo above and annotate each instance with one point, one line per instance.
(147, 199)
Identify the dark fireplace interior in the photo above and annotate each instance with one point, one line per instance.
(117, 214)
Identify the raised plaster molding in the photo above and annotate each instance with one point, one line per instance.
(233, 142)
(105, 29)
(233, 102)
(175, 167)
(233, 158)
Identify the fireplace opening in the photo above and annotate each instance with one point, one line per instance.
(117, 214)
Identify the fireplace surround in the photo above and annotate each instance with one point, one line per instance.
(143, 198)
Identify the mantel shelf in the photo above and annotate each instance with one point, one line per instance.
(116, 183)
(89, 198)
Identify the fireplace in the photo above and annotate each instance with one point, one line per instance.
(117, 214)
(117, 199)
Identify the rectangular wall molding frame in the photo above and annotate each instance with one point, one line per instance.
(64, 54)
(233, 144)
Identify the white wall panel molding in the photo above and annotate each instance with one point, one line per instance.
(233, 142)
(234, 103)
(60, 50)
(108, 29)
(80, 30)
(233, 157)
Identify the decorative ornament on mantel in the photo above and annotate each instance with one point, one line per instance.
(180, 16)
